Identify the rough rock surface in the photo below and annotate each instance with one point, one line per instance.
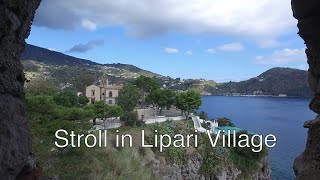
(15, 144)
(307, 165)
(189, 170)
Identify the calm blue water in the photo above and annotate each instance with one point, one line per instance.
(283, 117)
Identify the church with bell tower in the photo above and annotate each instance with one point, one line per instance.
(103, 91)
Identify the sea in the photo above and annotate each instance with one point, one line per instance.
(282, 116)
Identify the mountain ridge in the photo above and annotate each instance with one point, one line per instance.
(63, 69)
(32, 52)
(275, 81)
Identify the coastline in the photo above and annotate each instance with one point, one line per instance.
(251, 95)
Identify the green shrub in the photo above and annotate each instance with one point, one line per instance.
(225, 122)
(97, 163)
(190, 124)
(131, 118)
(75, 114)
(41, 107)
(173, 153)
(83, 100)
(67, 98)
(177, 154)
(244, 158)
(203, 115)
(161, 129)
(205, 125)
(212, 157)
(126, 164)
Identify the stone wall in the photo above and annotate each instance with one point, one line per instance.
(15, 143)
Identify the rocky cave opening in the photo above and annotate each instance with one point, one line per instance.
(15, 23)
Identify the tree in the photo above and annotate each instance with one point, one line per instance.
(114, 111)
(131, 118)
(82, 100)
(146, 85)
(203, 115)
(41, 87)
(66, 97)
(74, 113)
(102, 110)
(225, 122)
(41, 107)
(99, 110)
(128, 97)
(188, 102)
(163, 98)
(83, 80)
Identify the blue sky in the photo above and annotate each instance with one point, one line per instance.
(221, 40)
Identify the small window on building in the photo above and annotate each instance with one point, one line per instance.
(92, 92)
(102, 94)
(110, 102)
(110, 94)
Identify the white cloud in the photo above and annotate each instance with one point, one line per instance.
(89, 25)
(270, 43)
(284, 56)
(232, 47)
(171, 50)
(189, 53)
(256, 19)
(211, 50)
(303, 66)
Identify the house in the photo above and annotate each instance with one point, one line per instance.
(104, 91)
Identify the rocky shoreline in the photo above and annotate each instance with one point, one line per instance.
(166, 170)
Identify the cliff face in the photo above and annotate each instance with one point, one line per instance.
(307, 165)
(190, 169)
(16, 18)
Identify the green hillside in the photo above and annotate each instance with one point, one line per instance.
(43, 64)
(275, 81)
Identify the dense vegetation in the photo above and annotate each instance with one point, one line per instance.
(188, 102)
(215, 158)
(172, 153)
(146, 91)
(225, 122)
(50, 109)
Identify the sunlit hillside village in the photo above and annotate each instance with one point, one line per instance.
(155, 104)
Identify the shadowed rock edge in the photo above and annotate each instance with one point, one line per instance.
(307, 165)
(15, 142)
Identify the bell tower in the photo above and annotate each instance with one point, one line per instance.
(104, 81)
